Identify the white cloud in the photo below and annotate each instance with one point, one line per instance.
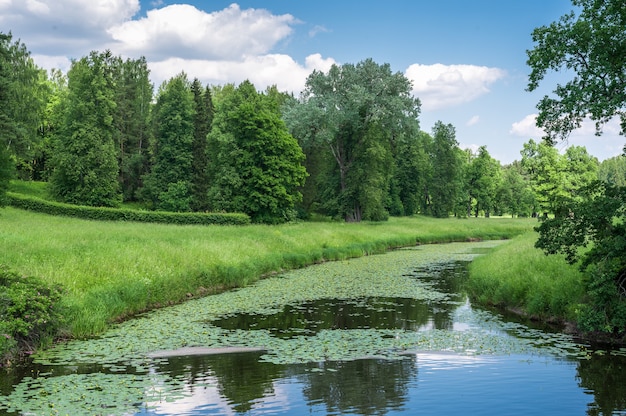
(49, 62)
(527, 128)
(439, 86)
(262, 71)
(472, 121)
(183, 31)
(72, 27)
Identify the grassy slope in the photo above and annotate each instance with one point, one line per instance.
(111, 270)
(519, 276)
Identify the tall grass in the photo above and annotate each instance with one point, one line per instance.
(113, 269)
(519, 276)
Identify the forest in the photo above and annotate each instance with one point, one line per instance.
(350, 147)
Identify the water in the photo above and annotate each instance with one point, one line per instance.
(381, 335)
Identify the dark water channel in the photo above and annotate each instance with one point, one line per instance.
(522, 371)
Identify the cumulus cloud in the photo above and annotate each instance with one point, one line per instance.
(183, 31)
(74, 26)
(262, 71)
(527, 127)
(440, 86)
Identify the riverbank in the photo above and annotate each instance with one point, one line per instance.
(521, 279)
(109, 271)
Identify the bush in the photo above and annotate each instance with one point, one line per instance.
(116, 214)
(29, 313)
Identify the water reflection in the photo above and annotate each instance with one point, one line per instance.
(309, 318)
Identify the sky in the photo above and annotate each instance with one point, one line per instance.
(466, 59)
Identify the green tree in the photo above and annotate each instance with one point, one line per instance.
(259, 164)
(591, 46)
(5, 121)
(482, 180)
(356, 112)
(202, 126)
(613, 171)
(413, 172)
(131, 120)
(168, 185)
(85, 164)
(444, 185)
(515, 195)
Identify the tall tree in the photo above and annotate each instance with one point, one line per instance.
(203, 120)
(168, 185)
(5, 120)
(592, 46)
(356, 112)
(483, 179)
(413, 172)
(84, 160)
(133, 96)
(259, 164)
(515, 195)
(446, 161)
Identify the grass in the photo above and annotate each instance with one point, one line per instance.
(111, 270)
(519, 276)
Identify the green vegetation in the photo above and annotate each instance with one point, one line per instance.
(520, 277)
(589, 225)
(110, 270)
(30, 313)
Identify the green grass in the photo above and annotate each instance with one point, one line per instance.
(111, 270)
(519, 276)
(31, 188)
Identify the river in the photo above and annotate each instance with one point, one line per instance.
(379, 335)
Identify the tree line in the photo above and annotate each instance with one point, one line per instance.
(349, 147)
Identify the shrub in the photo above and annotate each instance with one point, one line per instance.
(29, 313)
(116, 214)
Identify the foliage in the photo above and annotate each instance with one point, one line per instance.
(117, 214)
(613, 170)
(84, 159)
(482, 180)
(515, 195)
(133, 96)
(444, 186)
(203, 120)
(172, 150)
(557, 179)
(355, 113)
(259, 164)
(595, 222)
(518, 276)
(24, 96)
(413, 172)
(592, 45)
(29, 313)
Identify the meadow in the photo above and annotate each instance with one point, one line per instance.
(113, 270)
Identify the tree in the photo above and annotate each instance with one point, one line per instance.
(592, 46)
(259, 164)
(413, 172)
(356, 112)
(613, 171)
(482, 181)
(5, 120)
(85, 165)
(133, 97)
(202, 126)
(168, 185)
(515, 195)
(444, 185)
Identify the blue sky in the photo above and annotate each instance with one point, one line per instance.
(467, 59)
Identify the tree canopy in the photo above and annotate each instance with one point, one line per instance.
(591, 46)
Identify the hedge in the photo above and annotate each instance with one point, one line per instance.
(32, 203)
